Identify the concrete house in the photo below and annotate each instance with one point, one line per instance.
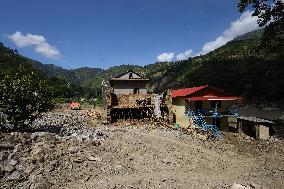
(212, 103)
(129, 83)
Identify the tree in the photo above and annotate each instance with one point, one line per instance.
(23, 95)
(270, 13)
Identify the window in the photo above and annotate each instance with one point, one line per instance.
(136, 91)
(130, 75)
(215, 103)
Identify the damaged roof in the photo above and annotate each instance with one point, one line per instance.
(130, 75)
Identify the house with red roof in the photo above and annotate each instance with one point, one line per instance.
(214, 104)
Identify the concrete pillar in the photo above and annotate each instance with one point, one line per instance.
(240, 126)
(263, 132)
(157, 103)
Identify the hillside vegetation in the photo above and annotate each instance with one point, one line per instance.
(58, 82)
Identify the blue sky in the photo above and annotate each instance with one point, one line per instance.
(105, 33)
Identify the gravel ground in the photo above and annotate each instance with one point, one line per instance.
(69, 153)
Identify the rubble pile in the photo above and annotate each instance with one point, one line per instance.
(65, 152)
(94, 114)
(30, 160)
(199, 133)
(37, 160)
(62, 123)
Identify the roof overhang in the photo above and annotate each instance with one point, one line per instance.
(138, 79)
(214, 98)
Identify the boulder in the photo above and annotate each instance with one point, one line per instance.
(9, 168)
(4, 145)
(13, 162)
(240, 186)
(16, 175)
(92, 158)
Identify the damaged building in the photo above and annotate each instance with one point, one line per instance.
(126, 98)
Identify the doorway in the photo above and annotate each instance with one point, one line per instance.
(136, 91)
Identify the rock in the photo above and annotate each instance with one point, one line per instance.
(54, 162)
(202, 136)
(9, 168)
(4, 145)
(39, 158)
(78, 160)
(36, 135)
(3, 156)
(1, 167)
(17, 147)
(118, 166)
(14, 176)
(73, 149)
(99, 133)
(92, 158)
(96, 143)
(11, 155)
(239, 186)
(42, 185)
(13, 162)
(30, 169)
(50, 168)
(167, 160)
(255, 186)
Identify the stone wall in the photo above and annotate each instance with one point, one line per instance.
(128, 86)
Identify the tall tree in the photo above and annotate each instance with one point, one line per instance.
(270, 13)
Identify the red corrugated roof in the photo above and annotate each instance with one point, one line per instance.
(200, 93)
(186, 91)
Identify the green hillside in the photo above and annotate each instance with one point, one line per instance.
(55, 77)
(75, 76)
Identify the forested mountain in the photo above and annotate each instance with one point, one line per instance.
(242, 66)
(75, 76)
(10, 61)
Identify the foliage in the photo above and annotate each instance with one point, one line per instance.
(265, 10)
(61, 83)
(270, 13)
(60, 88)
(23, 94)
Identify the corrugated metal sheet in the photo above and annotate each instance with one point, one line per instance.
(186, 91)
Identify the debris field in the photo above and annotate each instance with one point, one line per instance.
(69, 153)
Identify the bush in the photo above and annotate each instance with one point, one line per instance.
(23, 95)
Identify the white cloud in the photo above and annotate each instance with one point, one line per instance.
(184, 55)
(244, 24)
(40, 43)
(48, 51)
(165, 57)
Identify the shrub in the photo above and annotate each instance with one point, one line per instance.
(23, 95)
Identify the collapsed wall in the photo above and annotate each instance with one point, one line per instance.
(136, 106)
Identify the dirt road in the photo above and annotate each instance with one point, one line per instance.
(135, 158)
